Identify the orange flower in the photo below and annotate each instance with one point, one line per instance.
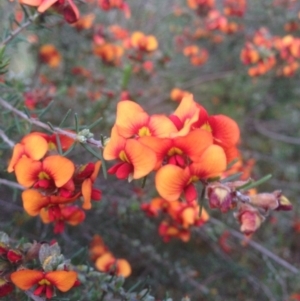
(137, 160)
(155, 206)
(115, 4)
(90, 171)
(85, 22)
(109, 264)
(50, 55)
(32, 146)
(202, 6)
(109, 53)
(133, 121)
(172, 230)
(44, 283)
(34, 201)
(187, 115)
(53, 171)
(178, 94)
(143, 43)
(66, 7)
(97, 247)
(71, 215)
(171, 181)
(187, 214)
(179, 150)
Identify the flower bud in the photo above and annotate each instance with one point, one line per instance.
(249, 218)
(6, 287)
(14, 256)
(284, 204)
(220, 196)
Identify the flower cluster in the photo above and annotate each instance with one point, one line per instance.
(49, 270)
(251, 208)
(53, 183)
(265, 52)
(183, 149)
(105, 261)
(179, 219)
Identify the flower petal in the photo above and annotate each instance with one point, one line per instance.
(25, 279)
(60, 168)
(170, 181)
(63, 280)
(27, 171)
(211, 164)
(161, 126)
(141, 157)
(34, 201)
(130, 118)
(45, 5)
(225, 130)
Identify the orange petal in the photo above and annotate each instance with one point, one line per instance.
(159, 145)
(73, 215)
(60, 168)
(45, 5)
(161, 126)
(123, 268)
(63, 280)
(96, 171)
(194, 143)
(35, 146)
(186, 108)
(27, 171)
(130, 118)
(44, 215)
(188, 217)
(225, 130)
(170, 181)
(114, 146)
(17, 154)
(25, 279)
(211, 164)
(152, 43)
(31, 2)
(136, 37)
(141, 157)
(86, 190)
(33, 201)
(104, 261)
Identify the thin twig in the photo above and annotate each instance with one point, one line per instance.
(9, 142)
(273, 135)
(34, 297)
(11, 184)
(45, 126)
(14, 33)
(259, 248)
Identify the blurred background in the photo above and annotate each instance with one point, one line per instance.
(223, 52)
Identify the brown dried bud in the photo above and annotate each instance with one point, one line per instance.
(249, 218)
(220, 196)
(271, 201)
(284, 204)
(33, 251)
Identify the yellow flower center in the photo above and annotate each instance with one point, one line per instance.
(144, 131)
(43, 176)
(123, 157)
(193, 179)
(175, 151)
(44, 282)
(206, 127)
